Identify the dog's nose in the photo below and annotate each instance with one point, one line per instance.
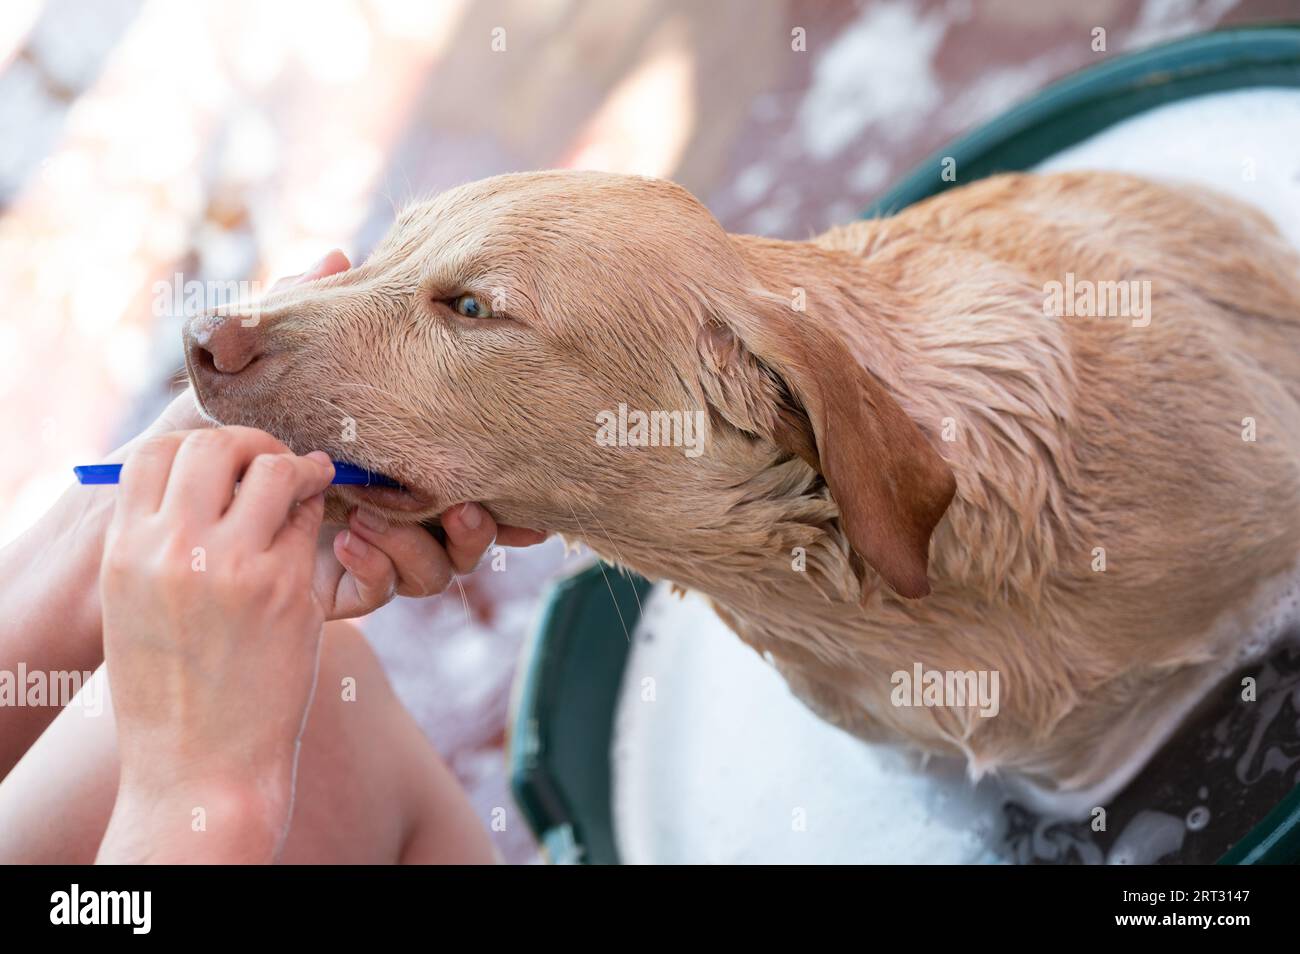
(224, 344)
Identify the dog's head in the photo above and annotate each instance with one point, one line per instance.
(569, 345)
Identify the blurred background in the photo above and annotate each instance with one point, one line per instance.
(226, 140)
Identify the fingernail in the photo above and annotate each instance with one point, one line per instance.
(354, 544)
(323, 459)
(372, 521)
(320, 263)
(471, 515)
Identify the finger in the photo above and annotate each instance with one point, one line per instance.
(421, 565)
(297, 538)
(143, 482)
(182, 414)
(370, 580)
(287, 282)
(470, 531)
(209, 463)
(333, 263)
(520, 536)
(271, 487)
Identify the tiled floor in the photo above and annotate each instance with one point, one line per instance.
(232, 140)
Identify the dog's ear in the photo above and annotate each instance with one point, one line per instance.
(774, 372)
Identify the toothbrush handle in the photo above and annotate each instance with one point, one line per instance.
(344, 473)
(98, 473)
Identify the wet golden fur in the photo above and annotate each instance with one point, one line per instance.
(828, 424)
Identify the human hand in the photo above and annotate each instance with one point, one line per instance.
(363, 567)
(211, 638)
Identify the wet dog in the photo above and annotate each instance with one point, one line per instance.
(1043, 426)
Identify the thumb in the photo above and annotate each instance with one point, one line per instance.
(369, 578)
(333, 263)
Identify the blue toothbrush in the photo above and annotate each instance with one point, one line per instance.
(344, 473)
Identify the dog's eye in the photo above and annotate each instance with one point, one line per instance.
(471, 306)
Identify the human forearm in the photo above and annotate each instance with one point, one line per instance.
(50, 612)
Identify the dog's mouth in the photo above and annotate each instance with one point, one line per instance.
(385, 492)
(375, 485)
(402, 499)
(392, 498)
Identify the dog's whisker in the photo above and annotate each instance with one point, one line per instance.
(617, 552)
(464, 600)
(609, 586)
